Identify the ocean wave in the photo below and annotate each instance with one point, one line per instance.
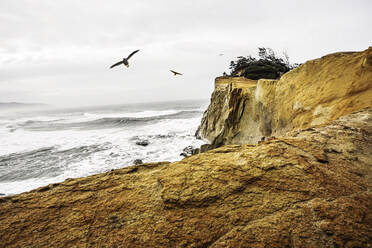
(44, 162)
(126, 121)
(142, 114)
(48, 147)
(106, 122)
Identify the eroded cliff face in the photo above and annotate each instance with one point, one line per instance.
(230, 100)
(310, 188)
(243, 111)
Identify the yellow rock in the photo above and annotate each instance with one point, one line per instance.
(319, 91)
(311, 188)
(308, 188)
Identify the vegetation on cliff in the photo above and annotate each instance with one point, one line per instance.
(309, 186)
(243, 111)
(268, 65)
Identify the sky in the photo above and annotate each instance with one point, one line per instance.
(59, 52)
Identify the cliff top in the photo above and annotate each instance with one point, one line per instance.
(321, 90)
(221, 83)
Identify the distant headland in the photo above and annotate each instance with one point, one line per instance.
(6, 105)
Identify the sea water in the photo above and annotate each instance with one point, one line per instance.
(48, 146)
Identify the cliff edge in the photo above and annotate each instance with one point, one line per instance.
(243, 111)
(311, 188)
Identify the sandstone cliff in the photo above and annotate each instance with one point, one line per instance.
(243, 111)
(310, 188)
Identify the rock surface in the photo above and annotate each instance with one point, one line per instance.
(189, 150)
(243, 111)
(142, 142)
(310, 188)
(137, 161)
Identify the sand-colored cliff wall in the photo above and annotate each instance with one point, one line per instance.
(308, 188)
(311, 188)
(319, 91)
(228, 102)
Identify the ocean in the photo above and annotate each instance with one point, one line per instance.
(39, 147)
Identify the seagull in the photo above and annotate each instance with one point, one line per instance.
(176, 73)
(125, 60)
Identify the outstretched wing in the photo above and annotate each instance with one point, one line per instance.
(176, 73)
(118, 63)
(130, 55)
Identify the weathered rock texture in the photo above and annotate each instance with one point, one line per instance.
(310, 188)
(243, 111)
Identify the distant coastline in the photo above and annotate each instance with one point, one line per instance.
(4, 105)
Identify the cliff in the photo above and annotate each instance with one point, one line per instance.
(243, 111)
(310, 188)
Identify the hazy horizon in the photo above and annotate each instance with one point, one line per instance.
(61, 106)
(59, 53)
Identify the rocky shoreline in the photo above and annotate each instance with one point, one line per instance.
(310, 188)
(307, 184)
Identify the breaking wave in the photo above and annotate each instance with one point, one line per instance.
(42, 147)
(43, 162)
(107, 121)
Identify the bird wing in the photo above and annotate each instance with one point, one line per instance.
(176, 73)
(118, 63)
(130, 55)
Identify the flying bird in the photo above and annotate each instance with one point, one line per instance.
(176, 73)
(125, 60)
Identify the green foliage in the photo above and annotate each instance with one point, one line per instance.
(268, 65)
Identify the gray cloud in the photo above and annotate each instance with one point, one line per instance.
(59, 52)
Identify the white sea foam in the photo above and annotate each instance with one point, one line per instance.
(79, 153)
(141, 114)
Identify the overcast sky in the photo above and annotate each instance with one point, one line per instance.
(59, 52)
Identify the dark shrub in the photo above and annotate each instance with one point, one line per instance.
(268, 65)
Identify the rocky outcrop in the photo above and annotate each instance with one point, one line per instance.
(310, 188)
(243, 111)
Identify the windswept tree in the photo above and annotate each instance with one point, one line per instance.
(268, 65)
